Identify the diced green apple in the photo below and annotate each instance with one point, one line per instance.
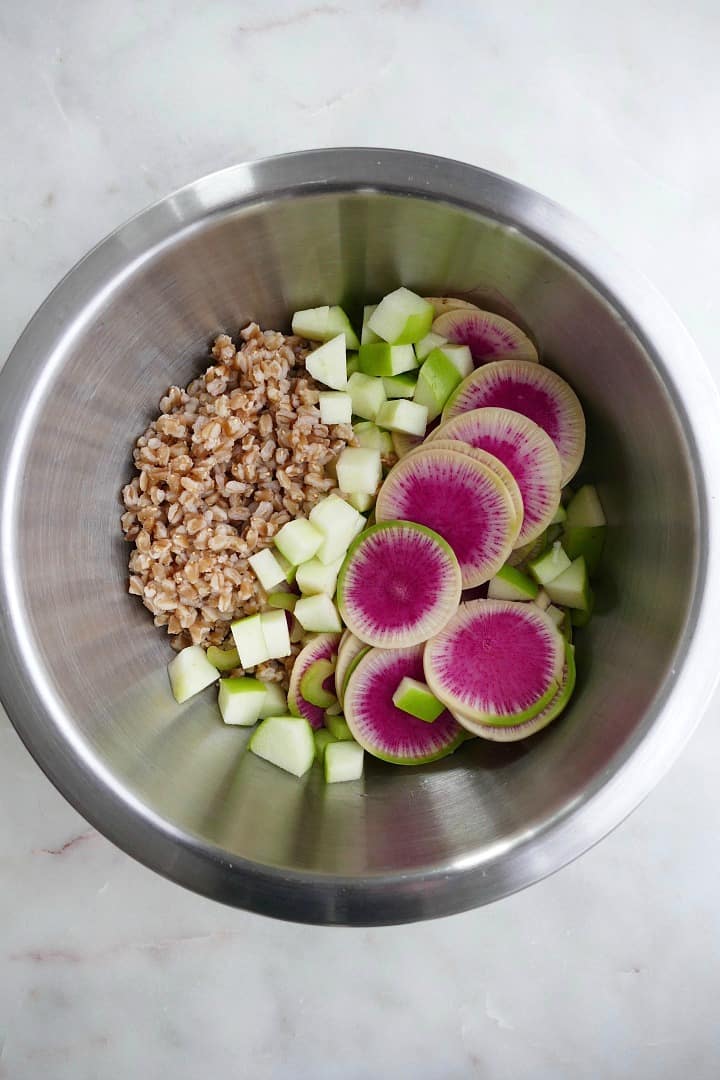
(287, 567)
(581, 617)
(284, 600)
(343, 761)
(337, 726)
(338, 523)
(361, 501)
(327, 364)
(402, 318)
(512, 584)
(571, 588)
(367, 394)
(335, 407)
(318, 614)
(316, 577)
(276, 633)
(546, 567)
(400, 386)
(322, 738)
(414, 697)
(585, 540)
(369, 434)
(338, 323)
(585, 509)
(190, 672)
(409, 417)
(437, 379)
(559, 516)
(460, 357)
(285, 741)
(311, 323)
(250, 640)
(267, 569)
(274, 702)
(298, 541)
(352, 364)
(368, 336)
(241, 701)
(383, 360)
(359, 470)
(426, 345)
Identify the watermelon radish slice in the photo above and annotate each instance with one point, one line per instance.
(489, 336)
(320, 647)
(485, 458)
(349, 648)
(525, 449)
(516, 732)
(496, 661)
(459, 498)
(399, 584)
(386, 731)
(443, 304)
(535, 392)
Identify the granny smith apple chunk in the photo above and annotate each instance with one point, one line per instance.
(337, 725)
(328, 363)
(426, 345)
(402, 318)
(267, 569)
(322, 738)
(362, 501)
(414, 697)
(318, 614)
(359, 470)
(190, 672)
(339, 323)
(571, 588)
(459, 356)
(250, 640)
(368, 336)
(312, 323)
(316, 577)
(384, 360)
(285, 741)
(437, 379)
(241, 701)
(274, 702)
(400, 386)
(369, 434)
(407, 416)
(276, 633)
(511, 584)
(367, 394)
(284, 600)
(335, 407)
(298, 541)
(338, 523)
(343, 761)
(548, 566)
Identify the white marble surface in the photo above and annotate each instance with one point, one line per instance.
(611, 969)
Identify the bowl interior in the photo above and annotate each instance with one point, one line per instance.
(102, 660)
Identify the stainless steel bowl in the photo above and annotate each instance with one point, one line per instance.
(82, 668)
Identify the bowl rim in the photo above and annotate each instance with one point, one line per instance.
(385, 898)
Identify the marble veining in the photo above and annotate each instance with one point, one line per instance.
(610, 968)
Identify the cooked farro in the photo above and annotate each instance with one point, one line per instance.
(226, 463)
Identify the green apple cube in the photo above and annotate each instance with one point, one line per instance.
(426, 345)
(414, 697)
(400, 386)
(559, 516)
(311, 323)
(581, 616)
(223, 659)
(367, 394)
(368, 336)
(402, 318)
(352, 364)
(338, 323)
(285, 741)
(287, 567)
(343, 762)
(335, 407)
(512, 584)
(542, 600)
(284, 600)
(556, 614)
(437, 379)
(546, 567)
(276, 633)
(296, 632)
(298, 541)
(250, 640)
(359, 469)
(322, 738)
(460, 357)
(384, 360)
(274, 702)
(571, 588)
(190, 672)
(267, 569)
(361, 501)
(406, 416)
(327, 364)
(338, 523)
(369, 434)
(241, 701)
(337, 726)
(585, 509)
(316, 577)
(585, 540)
(318, 613)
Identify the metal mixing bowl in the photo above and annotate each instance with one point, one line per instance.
(82, 668)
